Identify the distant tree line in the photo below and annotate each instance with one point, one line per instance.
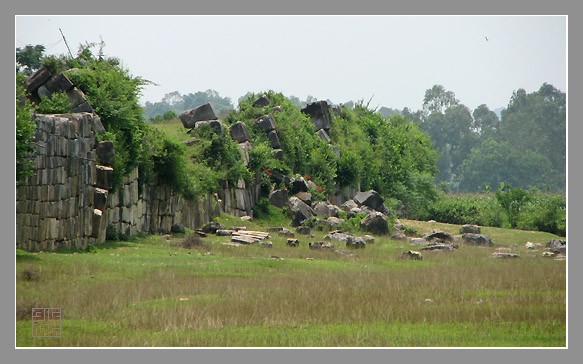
(526, 147)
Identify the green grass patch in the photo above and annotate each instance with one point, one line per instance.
(152, 292)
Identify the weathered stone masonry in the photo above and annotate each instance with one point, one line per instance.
(66, 202)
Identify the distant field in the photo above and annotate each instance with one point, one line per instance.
(152, 292)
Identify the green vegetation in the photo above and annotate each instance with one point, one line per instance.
(150, 291)
(24, 131)
(514, 208)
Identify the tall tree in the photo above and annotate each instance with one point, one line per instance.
(437, 99)
(486, 122)
(29, 58)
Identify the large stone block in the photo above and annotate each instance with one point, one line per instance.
(189, 118)
(319, 112)
(104, 177)
(370, 199)
(37, 79)
(273, 139)
(266, 123)
(278, 198)
(105, 152)
(59, 83)
(239, 132)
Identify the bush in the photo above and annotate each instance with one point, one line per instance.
(57, 103)
(24, 131)
(193, 241)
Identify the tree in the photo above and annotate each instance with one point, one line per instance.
(437, 99)
(29, 58)
(494, 162)
(537, 122)
(486, 122)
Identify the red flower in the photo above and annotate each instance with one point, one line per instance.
(267, 171)
(307, 177)
(319, 188)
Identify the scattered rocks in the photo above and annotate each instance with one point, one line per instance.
(548, 254)
(321, 245)
(477, 239)
(368, 239)
(557, 246)
(470, 229)
(412, 254)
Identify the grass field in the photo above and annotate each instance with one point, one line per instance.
(152, 292)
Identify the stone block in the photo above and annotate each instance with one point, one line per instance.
(239, 132)
(189, 118)
(273, 140)
(59, 83)
(37, 79)
(266, 123)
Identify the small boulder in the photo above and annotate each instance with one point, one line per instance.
(294, 243)
(355, 242)
(304, 230)
(266, 244)
(477, 239)
(439, 236)
(177, 229)
(470, 229)
(348, 205)
(262, 101)
(412, 254)
(212, 227)
(504, 255)
(306, 197)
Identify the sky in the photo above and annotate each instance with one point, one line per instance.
(390, 60)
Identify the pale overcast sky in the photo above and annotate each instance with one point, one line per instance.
(392, 59)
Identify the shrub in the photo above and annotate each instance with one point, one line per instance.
(57, 103)
(24, 131)
(193, 241)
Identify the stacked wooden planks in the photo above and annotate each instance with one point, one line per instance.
(248, 236)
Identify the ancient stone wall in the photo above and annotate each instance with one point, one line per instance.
(67, 202)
